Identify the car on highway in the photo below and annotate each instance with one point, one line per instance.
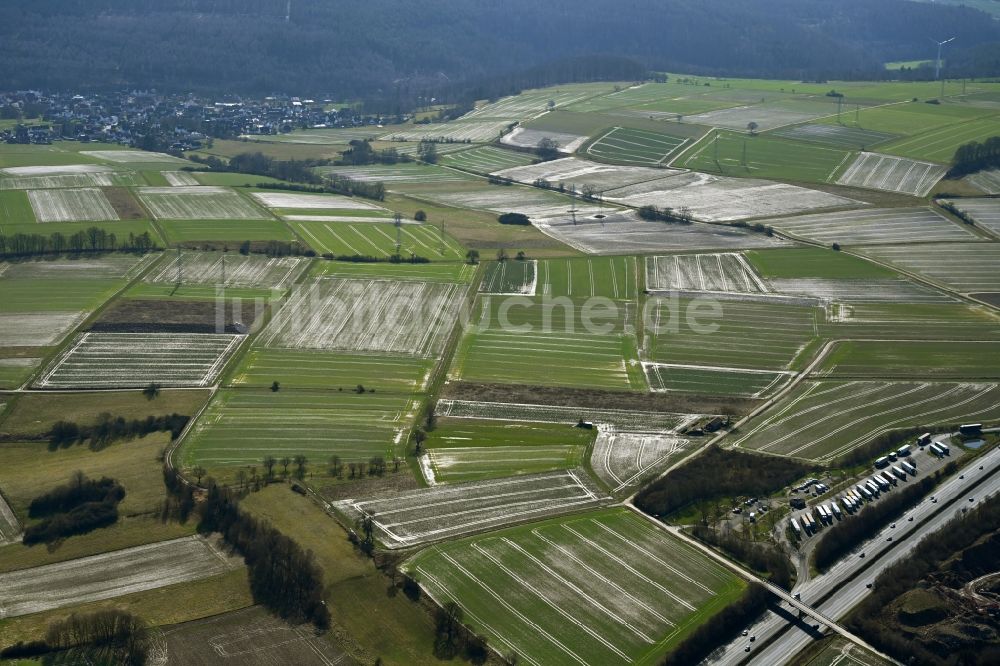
(746, 632)
(893, 526)
(862, 554)
(889, 539)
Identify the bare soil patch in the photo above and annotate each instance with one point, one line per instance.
(125, 204)
(165, 316)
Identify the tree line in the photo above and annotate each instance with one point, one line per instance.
(975, 156)
(718, 473)
(90, 240)
(760, 556)
(109, 429)
(102, 637)
(721, 628)
(283, 577)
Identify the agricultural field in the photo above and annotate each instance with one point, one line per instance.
(511, 278)
(765, 156)
(703, 380)
(939, 145)
(616, 278)
(605, 587)
(789, 263)
(533, 103)
(861, 291)
(486, 159)
(225, 231)
(463, 130)
(728, 272)
(985, 212)
(370, 239)
(822, 420)
(321, 208)
(82, 205)
(729, 334)
(15, 371)
(198, 203)
(622, 460)
(907, 118)
(456, 272)
(231, 270)
(179, 178)
(249, 637)
(536, 203)
(767, 115)
(37, 329)
(113, 574)
(959, 266)
(988, 181)
(69, 176)
(628, 420)
(576, 174)
(909, 358)
(461, 450)
(524, 137)
(524, 340)
(242, 426)
(433, 514)
(627, 233)
(712, 198)
(398, 174)
(309, 369)
(875, 226)
(132, 157)
(410, 318)
(634, 146)
(134, 360)
(838, 136)
(894, 174)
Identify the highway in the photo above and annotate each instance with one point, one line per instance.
(834, 593)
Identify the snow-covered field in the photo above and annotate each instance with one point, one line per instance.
(313, 201)
(198, 203)
(510, 278)
(766, 117)
(722, 199)
(522, 137)
(985, 211)
(131, 156)
(893, 174)
(37, 329)
(623, 459)
(579, 172)
(726, 272)
(861, 291)
(432, 514)
(107, 266)
(65, 180)
(963, 266)
(413, 318)
(461, 130)
(58, 170)
(237, 269)
(988, 181)
(83, 205)
(134, 360)
(111, 575)
(874, 226)
(627, 233)
(180, 178)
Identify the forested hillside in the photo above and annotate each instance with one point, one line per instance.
(347, 47)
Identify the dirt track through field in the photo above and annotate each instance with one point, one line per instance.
(111, 575)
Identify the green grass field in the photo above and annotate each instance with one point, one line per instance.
(826, 419)
(597, 588)
(15, 371)
(522, 340)
(714, 381)
(48, 294)
(232, 231)
(378, 240)
(470, 450)
(242, 426)
(732, 334)
(811, 262)
(610, 277)
(309, 369)
(764, 156)
(888, 321)
(939, 145)
(509, 277)
(15, 209)
(908, 118)
(918, 360)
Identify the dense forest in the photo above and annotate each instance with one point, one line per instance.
(344, 49)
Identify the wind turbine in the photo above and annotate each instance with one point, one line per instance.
(937, 69)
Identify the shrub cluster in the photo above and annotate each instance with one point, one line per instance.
(78, 507)
(514, 218)
(761, 556)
